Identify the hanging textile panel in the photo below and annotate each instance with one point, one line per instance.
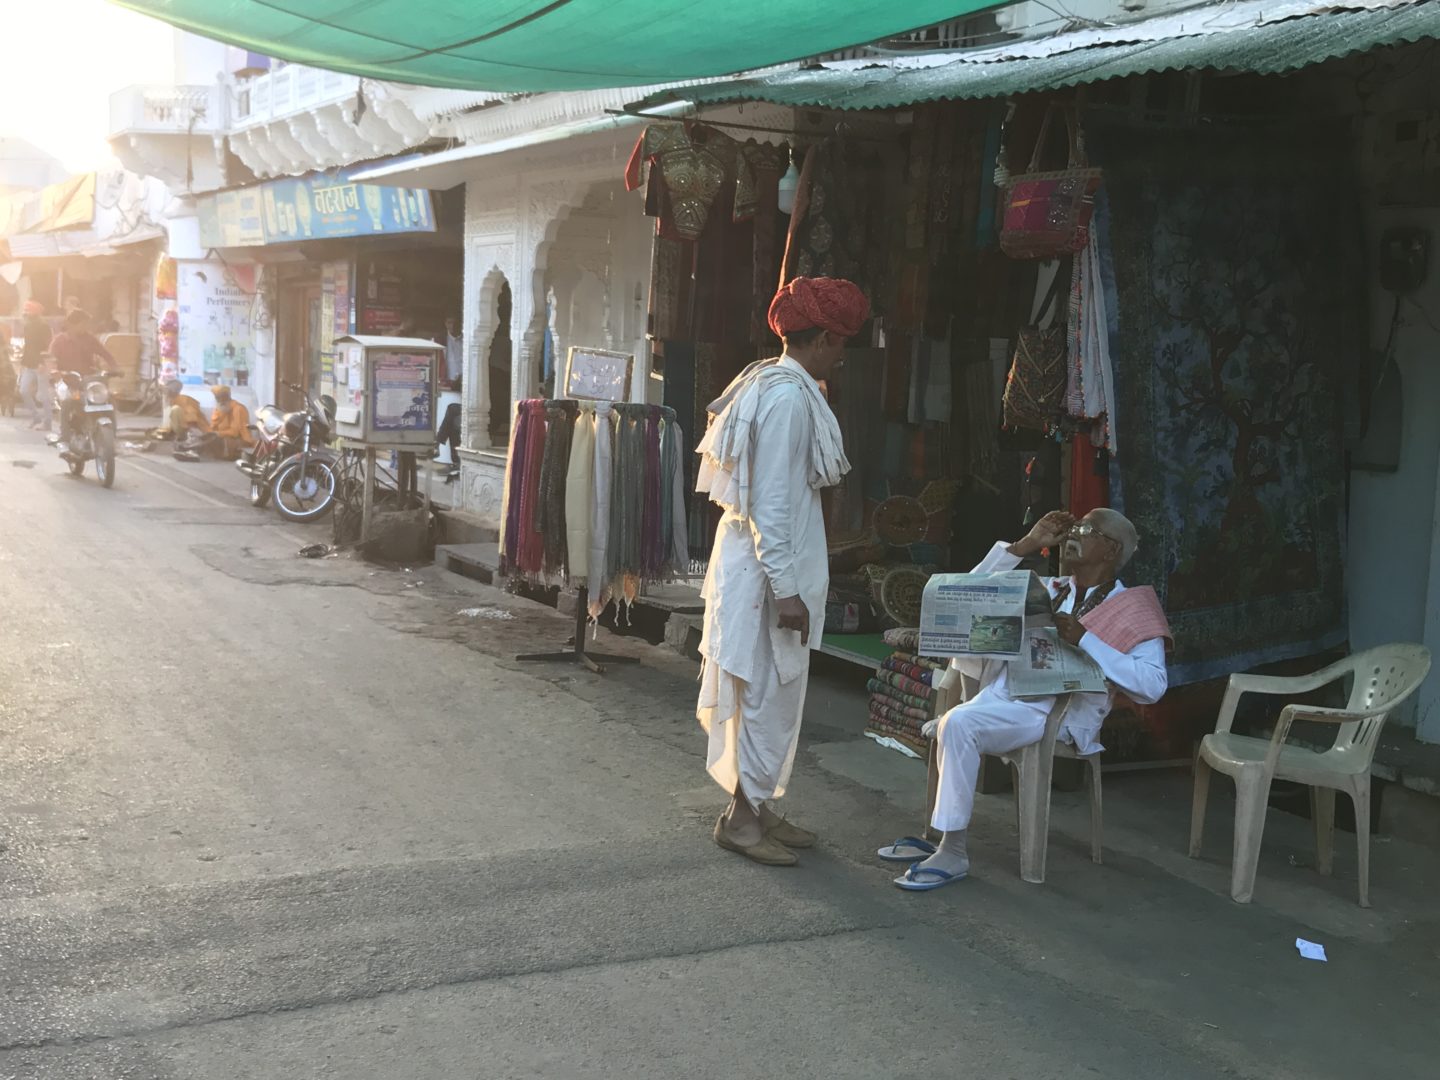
(1230, 253)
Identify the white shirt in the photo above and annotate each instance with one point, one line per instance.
(779, 551)
(1141, 672)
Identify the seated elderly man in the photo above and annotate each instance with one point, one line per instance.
(1123, 630)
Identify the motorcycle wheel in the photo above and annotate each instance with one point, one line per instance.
(105, 456)
(259, 493)
(293, 492)
(77, 466)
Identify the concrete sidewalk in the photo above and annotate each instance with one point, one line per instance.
(1151, 932)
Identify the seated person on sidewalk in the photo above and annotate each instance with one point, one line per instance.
(182, 414)
(1123, 630)
(229, 427)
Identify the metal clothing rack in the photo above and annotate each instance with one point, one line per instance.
(576, 653)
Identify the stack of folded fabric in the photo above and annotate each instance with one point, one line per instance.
(902, 698)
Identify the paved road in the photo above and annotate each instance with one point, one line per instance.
(269, 817)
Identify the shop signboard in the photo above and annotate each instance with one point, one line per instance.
(322, 206)
(598, 374)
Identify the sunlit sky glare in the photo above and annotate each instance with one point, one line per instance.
(59, 61)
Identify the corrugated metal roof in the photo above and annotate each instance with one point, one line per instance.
(1266, 49)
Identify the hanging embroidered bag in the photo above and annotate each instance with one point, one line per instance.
(1047, 214)
(1035, 389)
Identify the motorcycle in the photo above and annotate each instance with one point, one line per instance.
(92, 429)
(290, 462)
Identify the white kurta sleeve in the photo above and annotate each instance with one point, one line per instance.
(780, 455)
(997, 560)
(1140, 672)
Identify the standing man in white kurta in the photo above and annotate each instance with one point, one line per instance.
(1123, 630)
(773, 443)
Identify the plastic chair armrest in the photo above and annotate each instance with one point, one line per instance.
(1330, 716)
(1278, 684)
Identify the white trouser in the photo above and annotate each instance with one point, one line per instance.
(987, 725)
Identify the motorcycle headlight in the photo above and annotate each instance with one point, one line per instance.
(97, 394)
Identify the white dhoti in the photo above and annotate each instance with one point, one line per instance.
(754, 727)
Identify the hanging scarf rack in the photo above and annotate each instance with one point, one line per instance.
(594, 501)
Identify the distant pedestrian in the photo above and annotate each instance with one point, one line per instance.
(34, 386)
(9, 389)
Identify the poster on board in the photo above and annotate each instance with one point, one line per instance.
(214, 313)
(598, 374)
(400, 391)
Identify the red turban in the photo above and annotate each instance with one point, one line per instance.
(832, 304)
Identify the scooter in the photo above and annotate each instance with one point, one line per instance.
(92, 427)
(290, 461)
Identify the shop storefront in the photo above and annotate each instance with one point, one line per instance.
(1174, 346)
(333, 257)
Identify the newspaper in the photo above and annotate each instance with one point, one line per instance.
(1005, 616)
(1048, 666)
(980, 614)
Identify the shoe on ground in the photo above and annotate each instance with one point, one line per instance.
(777, 828)
(767, 852)
(186, 455)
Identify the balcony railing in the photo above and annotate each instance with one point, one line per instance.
(286, 92)
(167, 110)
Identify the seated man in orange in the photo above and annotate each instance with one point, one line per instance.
(182, 413)
(230, 424)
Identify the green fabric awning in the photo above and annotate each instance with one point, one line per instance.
(531, 45)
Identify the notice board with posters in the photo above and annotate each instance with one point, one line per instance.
(388, 389)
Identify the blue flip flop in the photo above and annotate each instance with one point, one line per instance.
(916, 848)
(911, 879)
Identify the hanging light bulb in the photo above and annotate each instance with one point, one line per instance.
(789, 186)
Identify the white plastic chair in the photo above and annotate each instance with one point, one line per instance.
(1384, 678)
(1032, 768)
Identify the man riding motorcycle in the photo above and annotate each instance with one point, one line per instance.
(78, 354)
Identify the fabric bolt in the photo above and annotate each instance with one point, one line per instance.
(600, 509)
(907, 638)
(559, 436)
(905, 684)
(667, 493)
(898, 696)
(880, 696)
(1233, 468)
(652, 533)
(929, 663)
(1090, 390)
(580, 496)
(532, 547)
(514, 487)
(679, 538)
(912, 671)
